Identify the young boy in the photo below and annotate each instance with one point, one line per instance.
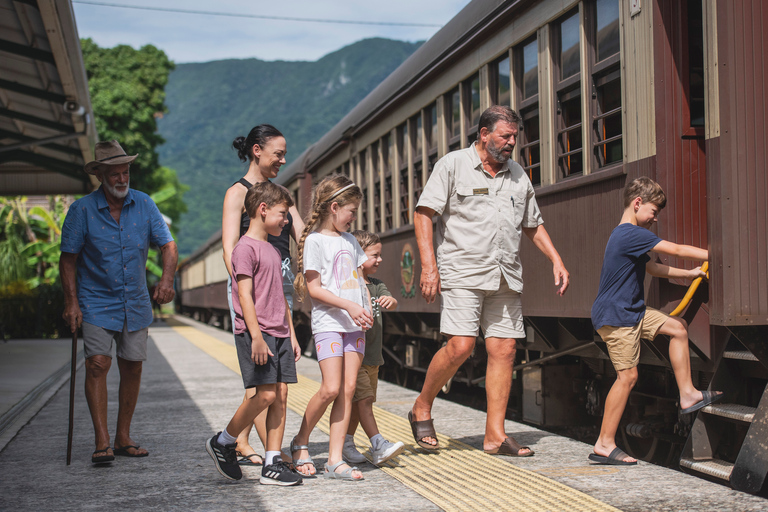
(621, 318)
(266, 343)
(368, 375)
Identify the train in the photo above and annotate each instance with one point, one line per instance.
(608, 90)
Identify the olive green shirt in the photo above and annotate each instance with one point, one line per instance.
(373, 335)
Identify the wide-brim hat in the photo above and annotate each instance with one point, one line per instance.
(108, 153)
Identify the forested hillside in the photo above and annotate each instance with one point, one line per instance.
(211, 103)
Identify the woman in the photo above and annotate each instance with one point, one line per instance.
(264, 148)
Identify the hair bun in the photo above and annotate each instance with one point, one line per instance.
(238, 143)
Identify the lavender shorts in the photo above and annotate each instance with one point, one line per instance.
(334, 344)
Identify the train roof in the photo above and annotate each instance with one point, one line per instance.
(432, 57)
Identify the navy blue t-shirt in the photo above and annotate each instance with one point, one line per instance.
(620, 300)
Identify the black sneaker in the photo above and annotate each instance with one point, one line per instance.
(279, 473)
(225, 458)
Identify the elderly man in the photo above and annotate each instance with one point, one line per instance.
(484, 201)
(104, 244)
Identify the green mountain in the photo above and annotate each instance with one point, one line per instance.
(211, 103)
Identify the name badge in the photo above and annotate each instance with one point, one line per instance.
(480, 191)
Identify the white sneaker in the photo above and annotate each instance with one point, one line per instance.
(350, 454)
(386, 451)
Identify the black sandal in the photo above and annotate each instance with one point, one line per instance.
(101, 459)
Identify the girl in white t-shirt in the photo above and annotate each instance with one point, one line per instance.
(330, 261)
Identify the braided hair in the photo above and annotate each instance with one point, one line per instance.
(325, 194)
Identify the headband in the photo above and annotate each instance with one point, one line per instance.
(342, 189)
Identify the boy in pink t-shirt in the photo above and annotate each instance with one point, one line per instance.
(267, 349)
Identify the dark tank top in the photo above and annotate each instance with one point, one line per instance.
(282, 243)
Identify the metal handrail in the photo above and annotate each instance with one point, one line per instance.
(691, 290)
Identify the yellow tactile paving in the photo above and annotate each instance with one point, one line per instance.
(457, 478)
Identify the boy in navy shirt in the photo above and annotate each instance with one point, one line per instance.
(621, 318)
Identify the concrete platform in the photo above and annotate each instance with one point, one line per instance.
(187, 395)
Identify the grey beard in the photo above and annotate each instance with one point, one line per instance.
(117, 193)
(497, 154)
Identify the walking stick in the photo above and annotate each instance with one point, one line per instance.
(72, 397)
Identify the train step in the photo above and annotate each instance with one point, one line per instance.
(732, 411)
(733, 431)
(712, 467)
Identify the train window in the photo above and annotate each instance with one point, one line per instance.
(502, 91)
(362, 212)
(693, 69)
(373, 152)
(402, 141)
(607, 38)
(418, 136)
(472, 103)
(388, 203)
(603, 35)
(417, 187)
(529, 138)
(570, 61)
(454, 119)
(607, 119)
(386, 158)
(529, 59)
(433, 136)
(568, 122)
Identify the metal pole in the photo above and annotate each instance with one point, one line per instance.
(72, 397)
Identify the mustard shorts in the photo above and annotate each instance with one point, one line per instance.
(367, 382)
(624, 342)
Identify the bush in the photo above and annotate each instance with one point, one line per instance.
(35, 313)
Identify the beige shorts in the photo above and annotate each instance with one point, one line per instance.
(624, 342)
(367, 382)
(499, 313)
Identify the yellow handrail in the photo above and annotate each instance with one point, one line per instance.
(691, 290)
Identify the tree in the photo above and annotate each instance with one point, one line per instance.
(127, 88)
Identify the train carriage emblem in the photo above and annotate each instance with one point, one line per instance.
(407, 274)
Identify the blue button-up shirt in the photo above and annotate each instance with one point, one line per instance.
(111, 276)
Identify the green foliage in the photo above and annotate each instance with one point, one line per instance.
(211, 103)
(127, 89)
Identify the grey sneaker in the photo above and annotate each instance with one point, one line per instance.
(386, 451)
(225, 458)
(350, 454)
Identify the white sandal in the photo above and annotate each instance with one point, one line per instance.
(330, 472)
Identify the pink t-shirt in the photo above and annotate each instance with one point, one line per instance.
(260, 261)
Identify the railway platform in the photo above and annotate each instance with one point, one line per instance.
(190, 389)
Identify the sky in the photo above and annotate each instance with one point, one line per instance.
(200, 38)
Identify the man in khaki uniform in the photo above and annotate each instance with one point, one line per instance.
(485, 202)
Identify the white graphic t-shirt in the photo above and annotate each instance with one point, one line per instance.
(337, 259)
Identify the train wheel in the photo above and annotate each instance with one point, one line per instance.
(226, 322)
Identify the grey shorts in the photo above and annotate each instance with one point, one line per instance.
(131, 346)
(281, 367)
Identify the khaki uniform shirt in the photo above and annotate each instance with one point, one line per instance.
(481, 220)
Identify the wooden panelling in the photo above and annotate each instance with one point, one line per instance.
(639, 123)
(739, 214)
(711, 78)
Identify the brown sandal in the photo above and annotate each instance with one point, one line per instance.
(511, 448)
(421, 430)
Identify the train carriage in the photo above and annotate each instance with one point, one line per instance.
(608, 90)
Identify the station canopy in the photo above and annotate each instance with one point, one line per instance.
(47, 130)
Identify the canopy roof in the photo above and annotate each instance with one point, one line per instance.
(46, 119)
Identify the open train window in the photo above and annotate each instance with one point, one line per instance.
(529, 138)
(430, 114)
(417, 135)
(603, 29)
(568, 122)
(692, 30)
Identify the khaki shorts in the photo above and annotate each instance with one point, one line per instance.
(367, 382)
(624, 342)
(499, 313)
